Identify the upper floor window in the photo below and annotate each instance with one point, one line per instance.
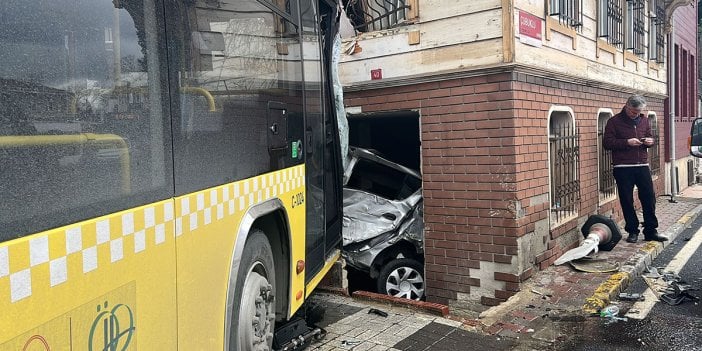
(568, 12)
(610, 21)
(656, 35)
(635, 26)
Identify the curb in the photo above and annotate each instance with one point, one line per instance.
(428, 307)
(632, 268)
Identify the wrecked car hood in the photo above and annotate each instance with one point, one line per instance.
(367, 215)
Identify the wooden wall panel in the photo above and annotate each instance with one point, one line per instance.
(424, 62)
(604, 71)
(432, 10)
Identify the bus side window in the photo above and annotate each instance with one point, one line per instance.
(86, 92)
(240, 92)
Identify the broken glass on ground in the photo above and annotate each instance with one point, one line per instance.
(669, 287)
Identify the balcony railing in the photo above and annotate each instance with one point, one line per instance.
(373, 15)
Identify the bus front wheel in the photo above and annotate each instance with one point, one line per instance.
(254, 312)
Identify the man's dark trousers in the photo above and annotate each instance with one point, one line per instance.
(640, 176)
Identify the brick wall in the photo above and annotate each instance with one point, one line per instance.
(486, 176)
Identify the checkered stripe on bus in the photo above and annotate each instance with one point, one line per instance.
(83, 247)
(200, 209)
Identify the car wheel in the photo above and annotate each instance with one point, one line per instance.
(403, 277)
(254, 312)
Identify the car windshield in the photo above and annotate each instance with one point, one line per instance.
(382, 180)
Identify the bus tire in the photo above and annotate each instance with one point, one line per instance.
(254, 312)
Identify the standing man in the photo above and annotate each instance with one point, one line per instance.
(628, 136)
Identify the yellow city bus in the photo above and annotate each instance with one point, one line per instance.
(169, 171)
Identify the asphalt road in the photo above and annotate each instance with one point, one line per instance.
(657, 325)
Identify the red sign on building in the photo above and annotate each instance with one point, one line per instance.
(376, 74)
(529, 29)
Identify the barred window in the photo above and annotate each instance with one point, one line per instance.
(635, 26)
(656, 33)
(654, 153)
(568, 12)
(609, 24)
(372, 15)
(607, 184)
(563, 167)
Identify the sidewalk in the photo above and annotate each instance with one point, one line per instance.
(524, 322)
(560, 292)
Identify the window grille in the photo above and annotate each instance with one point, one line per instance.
(607, 183)
(565, 183)
(635, 15)
(568, 12)
(654, 153)
(610, 22)
(372, 15)
(656, 47)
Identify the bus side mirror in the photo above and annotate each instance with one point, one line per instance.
(695, 140)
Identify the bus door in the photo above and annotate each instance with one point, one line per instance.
(323, 167)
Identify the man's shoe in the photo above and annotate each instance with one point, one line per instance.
(655, 237)
(632, 238)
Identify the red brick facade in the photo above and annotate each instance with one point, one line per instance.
(486, 175)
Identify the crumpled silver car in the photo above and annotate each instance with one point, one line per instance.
(383, 223)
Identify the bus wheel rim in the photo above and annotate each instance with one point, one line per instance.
(257, 313)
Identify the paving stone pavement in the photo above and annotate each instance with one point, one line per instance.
(357, 328)
(527, 321)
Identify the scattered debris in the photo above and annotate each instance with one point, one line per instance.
(378, 312)
(631, 297)
(669, 287)
(679, 294)
(543, 295)
(350, 342)
(652, 272)
(611, 312)
(537, 292)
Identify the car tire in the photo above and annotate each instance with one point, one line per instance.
(402, 277)
(253, 316)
